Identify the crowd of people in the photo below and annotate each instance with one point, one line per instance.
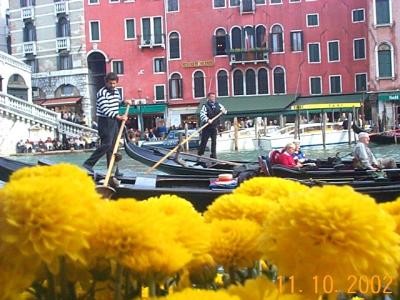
(77, 118)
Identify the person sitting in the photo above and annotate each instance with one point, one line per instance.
(286, 157)
(298, 155)
(365, 159)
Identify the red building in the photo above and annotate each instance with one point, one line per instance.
(173, 52)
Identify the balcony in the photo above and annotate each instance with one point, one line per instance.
(27, 13)
(152, 41)
(253, 55)
(63, 43)
(61, 8)
(29, 48)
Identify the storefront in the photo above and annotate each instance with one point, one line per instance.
(389, 109)
(145, 116)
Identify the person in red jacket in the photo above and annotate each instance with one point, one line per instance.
(286, 157)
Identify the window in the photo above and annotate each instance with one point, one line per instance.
(333, 51)
(173, 5)
(64, 62)
(315, 85)
(382, 12)
(359, 49)
(361, 82)
(261, 36)
(275, 1)
(221, 42)
(33, 63)
(294, 1)
(222, 83)
(358, 15)
(152, 31)
(335, 84)
(198, 84)
(234, 3)
(262, 80)
(159, 92)
(219, 3)
(63, 29)
(247, 6)
(260, 2)
(312, 20)
(29, 32)
(237, 83)
(67, 90)
(94, 31)
(174, 51)
(94, 2)
(130, 33)
(279, 81)
(277, 39)
(175, 86)
(120, 92)
(118, 66)
(250, 82)
(296, 41)
(314, 53)
(26, 3)
(114, 1)
(236, 38)
(159, 65)
(385, 66)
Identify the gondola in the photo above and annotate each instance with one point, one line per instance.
(197, 189)
(384, 138)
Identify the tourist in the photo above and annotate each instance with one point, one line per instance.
(286, 157)
(298, 155)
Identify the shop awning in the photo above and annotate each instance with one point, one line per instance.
(328, 102)
(254, 106)
(145, 109)
(58, 101)
(393, 96)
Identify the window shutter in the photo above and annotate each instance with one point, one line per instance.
(34, 33)
(22, 3)
(302, 40)
(214, 45)
(58, 63)
(180, 88)
(170, 88)
(292, 41)
(227, 43)
(270, 42)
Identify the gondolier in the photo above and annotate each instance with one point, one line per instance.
(208, 111)
(107, 104)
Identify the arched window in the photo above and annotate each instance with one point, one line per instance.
(175, 86)
(277, 38)
(261, 36)
(237, 83)
(198, 83)
(250, 82)
(29, 32)
(236, 38)
(222, 82)
(174, 51)
(220, 42)
(262, 79)
(63, 27)
(249, 37)
(279, 80)
(385, 61)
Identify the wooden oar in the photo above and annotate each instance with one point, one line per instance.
(181, 143)
(105, 190)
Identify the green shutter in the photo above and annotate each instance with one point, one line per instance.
(385, 63)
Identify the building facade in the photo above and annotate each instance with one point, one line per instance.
(49, 36)
(175, 51)
(384, 57)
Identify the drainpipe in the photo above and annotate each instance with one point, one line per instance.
(166, 63)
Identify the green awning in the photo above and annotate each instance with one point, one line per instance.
(144, 109)
(254, 106)
(389, 96)
(330, 102)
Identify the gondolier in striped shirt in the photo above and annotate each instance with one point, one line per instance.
(107, 111)
(208, 111)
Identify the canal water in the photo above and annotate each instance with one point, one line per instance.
(131, 167)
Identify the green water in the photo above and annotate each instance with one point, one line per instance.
(131, 167)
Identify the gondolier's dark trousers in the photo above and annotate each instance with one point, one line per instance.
(205, 135)
(108, 131)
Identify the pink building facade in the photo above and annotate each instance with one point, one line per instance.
(171, 53)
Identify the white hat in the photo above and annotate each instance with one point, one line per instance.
(363, 134)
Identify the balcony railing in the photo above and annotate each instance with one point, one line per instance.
(27, 12)
(151, 41)
(63, 43)
(61, 7)
(252, 55)
(29, 48)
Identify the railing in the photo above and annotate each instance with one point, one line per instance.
(12, 61)
(253, 55)
(63, 43)
(74, 130)
(27, 12)
(29, 48)
(61, 7)
(152, 40)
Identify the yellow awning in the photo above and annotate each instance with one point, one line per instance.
(325, 105)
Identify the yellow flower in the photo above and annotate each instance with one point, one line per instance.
(235, 243)
(49, 212)
(393, 208)
(271, 188)
(193, 294)
(331, 231)
(263, 289)
(239, 206)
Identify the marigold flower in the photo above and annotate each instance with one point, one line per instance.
(271, 188)
(235, 243)
(239, 206)
(331, 231)
(194, 294)
(393, 208)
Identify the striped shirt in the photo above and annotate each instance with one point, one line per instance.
(203, 112)
(107, 103)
